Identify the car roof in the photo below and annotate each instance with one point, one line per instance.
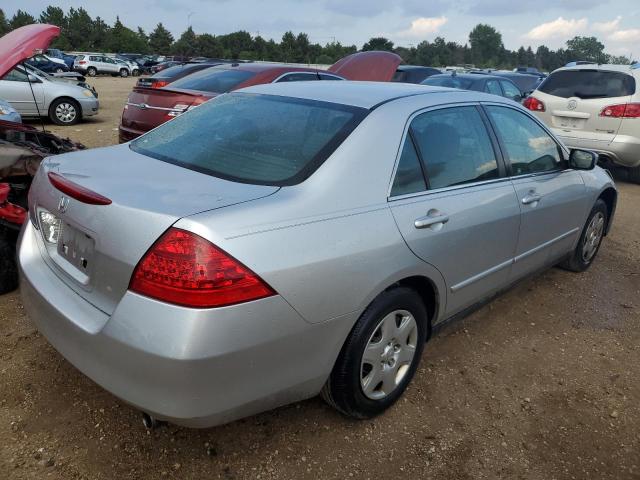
(470, 76)
(355, 93)
(264, 67)
(604, 67)
(416, 67)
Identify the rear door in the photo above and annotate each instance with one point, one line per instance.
(453, 203)
(575, 102)
(551, 196)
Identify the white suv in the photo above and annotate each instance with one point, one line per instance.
(95, 64)
(594, 107)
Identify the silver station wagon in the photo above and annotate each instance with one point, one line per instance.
(293, 239)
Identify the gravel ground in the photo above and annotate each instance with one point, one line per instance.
(541, 383)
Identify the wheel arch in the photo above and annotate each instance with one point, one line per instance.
(68, 98)
(610, 197)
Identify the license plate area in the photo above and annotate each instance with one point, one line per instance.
(569, 122)
(77, 248)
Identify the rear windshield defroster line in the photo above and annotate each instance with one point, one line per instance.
(253, 138)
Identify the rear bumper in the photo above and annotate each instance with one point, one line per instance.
(90, 106)
(196, 368)
(127, 134)
(623, 150)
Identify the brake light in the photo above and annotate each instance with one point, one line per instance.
(159, 84)
(532, 103)
(82, 62)
(185, 269)
(76, 191)
(623, 110)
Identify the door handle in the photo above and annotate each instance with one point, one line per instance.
(530, 198)
(431, 219)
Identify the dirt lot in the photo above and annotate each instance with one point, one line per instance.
(542, 383)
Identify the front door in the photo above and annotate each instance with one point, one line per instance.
(16, 90)
(551, 196)
(454, 205)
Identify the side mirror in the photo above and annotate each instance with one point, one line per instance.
(517, 98)
(583, 159)
(34, 79)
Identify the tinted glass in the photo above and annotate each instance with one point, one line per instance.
(493, 87)
(324, 76)
(409, 177)
(298, 77)
(213, 80)
(588, 84)
(399, 76)
(179, 70)
(15, 76)
(510, 90)
(449, 81)
(528, 147)
(260, 139)
(455, 147)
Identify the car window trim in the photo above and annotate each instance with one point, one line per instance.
(286, 74)
(502, 172)
(562, 150)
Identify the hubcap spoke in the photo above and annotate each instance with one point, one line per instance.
(593, 236)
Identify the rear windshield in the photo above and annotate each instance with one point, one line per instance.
(179, 70)
(451, 82)
(213, 80)
(588, 84)
(259, 139)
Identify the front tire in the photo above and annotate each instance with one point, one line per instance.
(124, 72)
(380, 356)
(65, 111)
(59, 70)
(8, 267)
(589, 244)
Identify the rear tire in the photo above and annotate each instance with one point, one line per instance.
(590, 240)
(92, 72)
(380, 355)
(59, 70)
(124, 72)
(8, 267)
(634, 174)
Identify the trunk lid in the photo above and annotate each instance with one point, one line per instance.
(100, 245)
(371, 66)
(147, 108)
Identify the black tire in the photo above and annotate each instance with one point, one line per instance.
(8, 267)
(577, 262)
(60, 111)
(634, 174)
(343, 390)
(124, 72)
(92, 72)
(59, 70)
(136, 72)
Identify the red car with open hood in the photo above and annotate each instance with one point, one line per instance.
(146, 108)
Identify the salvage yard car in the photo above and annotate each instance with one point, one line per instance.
(480, 82)
(596, 107)
(296, 238)
(94, 64)
(147, 108)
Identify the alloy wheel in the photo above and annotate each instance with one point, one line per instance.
(592, 237)
(66, 112)
(388, 355)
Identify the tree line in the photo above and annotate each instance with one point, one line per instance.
(81, 32)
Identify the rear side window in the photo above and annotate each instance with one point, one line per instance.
(409, 177)
(179, 70)
(451, 82)
(510, 90)
(587, 84)
(528, 147)
(213, 80)
(455, 147)
(492, 86)
(298, 77)
(326, 76)
(259, 139)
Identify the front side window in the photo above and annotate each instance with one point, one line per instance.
(492, 86)
(16, 76)
(409, 177)
(510, 90)
(529, 148)
(449, 81)
(455, 147)
(258, 139)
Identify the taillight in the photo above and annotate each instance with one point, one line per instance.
(82, 62)
(623, 110)
(159, 84)
(532, 103)
(185, 269)
(76, 191)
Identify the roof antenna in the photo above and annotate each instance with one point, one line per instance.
(26, 71)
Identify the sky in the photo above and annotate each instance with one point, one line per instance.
(406, 22)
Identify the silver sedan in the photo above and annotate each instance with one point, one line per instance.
(295, 239)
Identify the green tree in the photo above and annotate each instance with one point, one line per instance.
(20, 19)
(79, 29)
(160, 40)
(56, 16)
(186, 45)
(378, 43)
(99, 35)
(209, 46)
(4, 26)
(587, 48)
(235, 43)
(486, 45)
(619, 60)
(123, 39)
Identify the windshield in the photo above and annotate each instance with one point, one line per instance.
(259, 139)
(449, 81)
(214, 80)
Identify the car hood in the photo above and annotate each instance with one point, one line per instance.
(24, 42)
(371, 66)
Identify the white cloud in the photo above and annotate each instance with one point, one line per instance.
(423, 26)
(607, 27)
(631, 35)
(558, 28)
